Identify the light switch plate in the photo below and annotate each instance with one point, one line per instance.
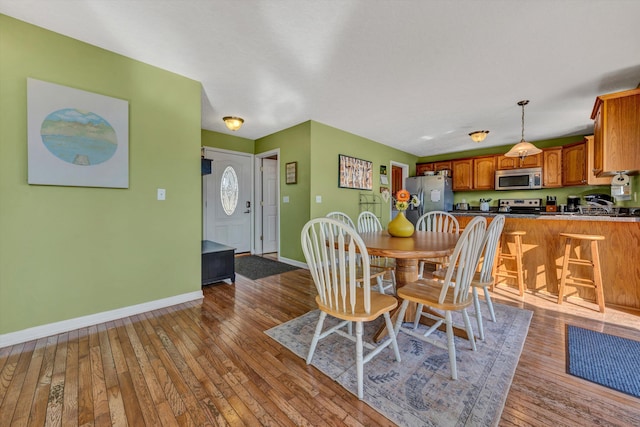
(162, 194)
(285, 199)
(318, 199)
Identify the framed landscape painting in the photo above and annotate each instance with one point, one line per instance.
(76, 138)
(354, 173)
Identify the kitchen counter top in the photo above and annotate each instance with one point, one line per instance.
(552, 216)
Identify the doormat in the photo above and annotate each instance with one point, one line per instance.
(419, 391)
(255, 267)
(604, 359)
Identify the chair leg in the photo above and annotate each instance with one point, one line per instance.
(451, 345)
(359, 360)
(416, 321)
(316, 336)
(597, 275)
(476, 305)
(467, 324)
(399, 319)
(392, 335)
(487, 298)
(565, 269)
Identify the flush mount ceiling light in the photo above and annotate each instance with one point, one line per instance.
(479, 135)
(233, 123)
(523, 149)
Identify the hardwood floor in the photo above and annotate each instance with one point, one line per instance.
(210, 363)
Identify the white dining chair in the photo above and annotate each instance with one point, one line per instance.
(483, 279)
(344, 289)
(441, 222)
(368, 222)
(446, 296)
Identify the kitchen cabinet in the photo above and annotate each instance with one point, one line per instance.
(484, 168)
(574, 161)
(462, 171)
(552, 167)
(592, 179)
(438, 166)
(616, 131)
(504, 162)
(421, 168)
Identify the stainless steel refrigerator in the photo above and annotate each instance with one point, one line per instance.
(434, 193)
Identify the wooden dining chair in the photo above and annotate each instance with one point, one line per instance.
(342, 217)
(441, 222)
(484, 279)
(446, 296)
(368, 222)
(344, 289)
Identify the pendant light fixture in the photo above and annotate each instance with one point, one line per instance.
(479, 135)
(233, 123)
(523, 149)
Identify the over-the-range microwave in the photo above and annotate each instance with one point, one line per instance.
(519, 179)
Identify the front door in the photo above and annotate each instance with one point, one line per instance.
(227, 202)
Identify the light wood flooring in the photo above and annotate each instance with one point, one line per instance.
(210, 363)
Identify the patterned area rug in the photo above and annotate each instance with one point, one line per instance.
(419, 390)
(604, 359)
(255, 267)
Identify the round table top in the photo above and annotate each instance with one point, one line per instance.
(423, 244)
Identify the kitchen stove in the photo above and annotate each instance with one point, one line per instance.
(521, 206)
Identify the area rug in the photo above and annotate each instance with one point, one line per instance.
(419, 390)
(604, 359)
(255, 267)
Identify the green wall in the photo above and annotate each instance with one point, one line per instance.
(67, 252)
(227, 142)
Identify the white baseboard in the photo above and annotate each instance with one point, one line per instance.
(293, 262)
(37, 332)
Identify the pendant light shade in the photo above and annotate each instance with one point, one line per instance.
(523, 148)
(233, 123)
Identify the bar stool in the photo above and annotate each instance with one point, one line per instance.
(518, 273)
(594, 263)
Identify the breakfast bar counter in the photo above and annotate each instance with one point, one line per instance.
(543, 251)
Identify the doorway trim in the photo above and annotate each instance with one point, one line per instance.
(257, 192)
(405, 175)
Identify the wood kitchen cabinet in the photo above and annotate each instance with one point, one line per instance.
(616, 131)
(574, 164)
(438, 166)
(592, 179)
(421, 168)
(484, 169)
(462, 171)
(504, 162)
(552, 167)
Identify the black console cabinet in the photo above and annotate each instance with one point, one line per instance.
(217, 262)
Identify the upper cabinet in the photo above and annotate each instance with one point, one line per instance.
(552, 167)
(462, 171)
(616, 131)
(574, 164)
(592, 179)
(484, 169)
(421, 168)
(504, 162)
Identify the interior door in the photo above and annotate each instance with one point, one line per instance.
(269, 205)
(227, 200)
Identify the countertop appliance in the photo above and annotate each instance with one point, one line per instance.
(434, 192)
(519, 179)
(521, 206)
(572, 203)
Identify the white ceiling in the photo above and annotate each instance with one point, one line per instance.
(418, 75)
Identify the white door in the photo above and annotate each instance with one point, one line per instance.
(269, 205)
(227, 200)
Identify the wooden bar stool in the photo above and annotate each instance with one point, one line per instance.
(594, 263)
(518, 273)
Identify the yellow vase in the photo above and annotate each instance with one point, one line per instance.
(400, 226)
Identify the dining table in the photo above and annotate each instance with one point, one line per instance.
(408, 251)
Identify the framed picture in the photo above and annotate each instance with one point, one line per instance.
(291, 170)
(76, 138)
(383, 170)
(354, 173)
